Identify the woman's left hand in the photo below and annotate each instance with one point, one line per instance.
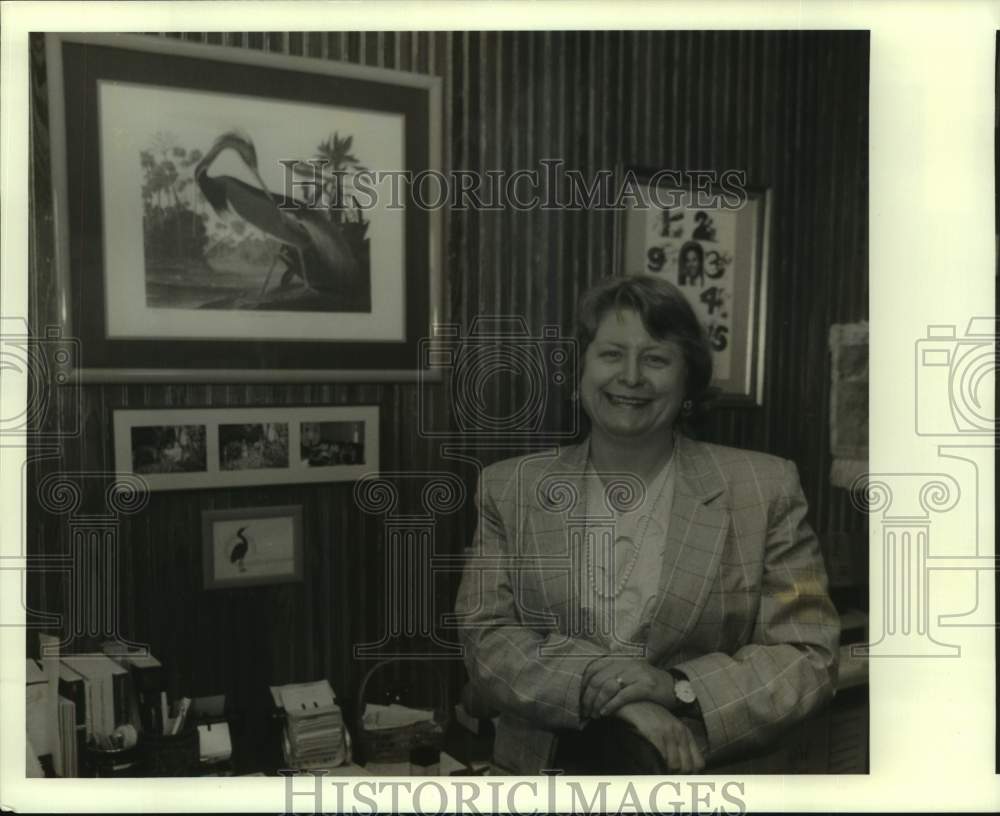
(611, 682)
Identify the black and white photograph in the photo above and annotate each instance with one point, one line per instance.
(332, 443)
(168, 449)
(259, 445)
(580, 417)
(722, 578)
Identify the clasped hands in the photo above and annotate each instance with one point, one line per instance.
(642, 695)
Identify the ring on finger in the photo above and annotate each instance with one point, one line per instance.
(621, 683)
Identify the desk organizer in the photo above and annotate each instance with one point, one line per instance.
(395, 744)
(175, 755)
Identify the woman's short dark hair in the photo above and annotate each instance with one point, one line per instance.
(665, 314)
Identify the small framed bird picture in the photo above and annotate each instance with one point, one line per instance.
(251, 545)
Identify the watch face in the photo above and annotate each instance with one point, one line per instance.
(684, 691)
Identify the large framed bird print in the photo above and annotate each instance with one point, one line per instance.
(225, 214)
(251, 546)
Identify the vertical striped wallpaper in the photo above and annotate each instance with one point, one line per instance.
(789, 108)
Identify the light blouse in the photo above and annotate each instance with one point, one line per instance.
(625, 558)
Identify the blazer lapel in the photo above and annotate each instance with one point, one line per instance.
(696, 532)
(555, 505)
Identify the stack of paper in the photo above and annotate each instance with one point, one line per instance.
(146, 674)
(37, 687)
(68, 738)
(380, 717)
(107, 692)
(214, 744)
(314, 727)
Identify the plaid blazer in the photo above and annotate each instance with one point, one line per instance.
(743, 609)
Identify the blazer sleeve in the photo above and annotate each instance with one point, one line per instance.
(789, 667)
(521, 668)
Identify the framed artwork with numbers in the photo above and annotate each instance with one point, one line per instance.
(711, 242)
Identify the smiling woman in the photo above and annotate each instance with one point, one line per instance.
(642, 575)
(646, 363)
(633, 384)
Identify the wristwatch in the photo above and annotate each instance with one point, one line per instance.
(685, 695)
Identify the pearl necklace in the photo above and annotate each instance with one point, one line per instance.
(636, 543)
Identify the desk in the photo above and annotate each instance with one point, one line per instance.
(448, 765)
(350, 769)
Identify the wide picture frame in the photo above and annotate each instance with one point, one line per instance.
(200, 448)
(225, 215)
(712, 244)
(252, 546)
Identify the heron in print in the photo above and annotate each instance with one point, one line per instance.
(311, 246)
(240, 550)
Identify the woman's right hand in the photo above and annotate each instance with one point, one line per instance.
(669, 735)
(610, 682)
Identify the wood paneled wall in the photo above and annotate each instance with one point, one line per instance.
(789, 108)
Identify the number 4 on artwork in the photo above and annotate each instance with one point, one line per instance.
(713, 298)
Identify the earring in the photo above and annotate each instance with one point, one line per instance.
(687, 406)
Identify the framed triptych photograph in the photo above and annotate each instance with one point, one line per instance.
(185, 448)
